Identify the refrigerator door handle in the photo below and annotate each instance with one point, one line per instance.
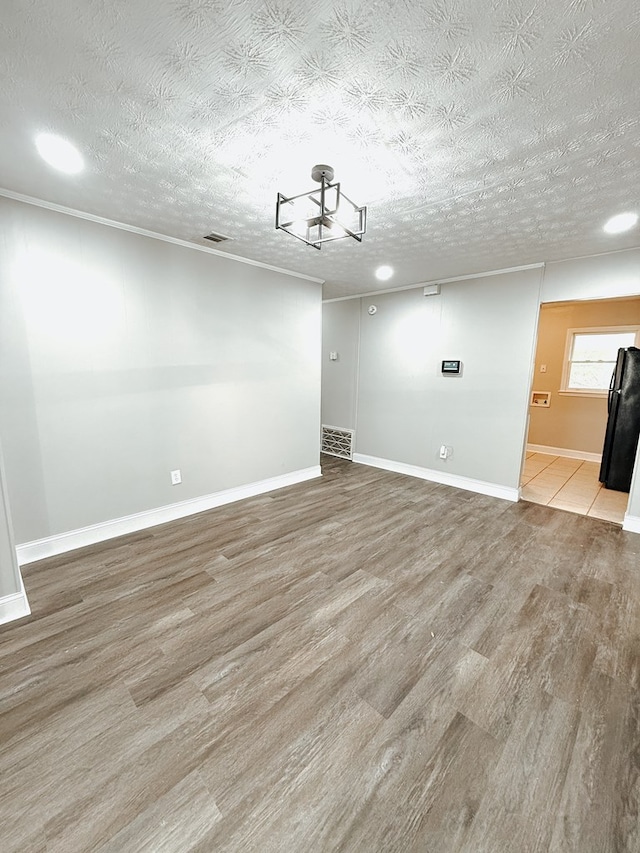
(610, 397)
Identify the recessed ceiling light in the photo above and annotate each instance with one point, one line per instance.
(621, 222)
(384, 273)
(59, 153)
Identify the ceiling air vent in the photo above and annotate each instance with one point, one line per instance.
(215, 238)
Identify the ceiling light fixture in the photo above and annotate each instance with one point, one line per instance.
(321, 215)
(621, 222)
(384, 273)
(59, 153)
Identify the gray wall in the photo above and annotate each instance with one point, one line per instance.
(9, 572)
(407, 408)
(123, 357)
(340, 334)
(598, 277)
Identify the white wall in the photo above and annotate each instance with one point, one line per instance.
(123, 357)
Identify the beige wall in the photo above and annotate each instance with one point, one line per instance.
(571, 422)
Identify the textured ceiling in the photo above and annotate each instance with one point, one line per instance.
(481, 134)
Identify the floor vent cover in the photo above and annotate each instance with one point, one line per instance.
(337, 442)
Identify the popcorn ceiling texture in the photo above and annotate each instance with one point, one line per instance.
(481, 134)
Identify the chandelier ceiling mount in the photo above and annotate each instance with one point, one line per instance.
(323, 214)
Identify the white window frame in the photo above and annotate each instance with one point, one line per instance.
(566, 364)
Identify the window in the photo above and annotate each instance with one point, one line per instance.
(591, 356)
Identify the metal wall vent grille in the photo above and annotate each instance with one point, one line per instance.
(337, 442)
(215, 238)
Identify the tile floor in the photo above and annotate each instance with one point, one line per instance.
(570, 484)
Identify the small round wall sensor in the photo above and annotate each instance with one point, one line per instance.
(372, 309)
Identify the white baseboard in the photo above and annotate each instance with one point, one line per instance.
(563, 451)
(631, 523)
(60, 543)
(467, 483)
(14, 606)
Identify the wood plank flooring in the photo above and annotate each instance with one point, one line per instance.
(366, 662)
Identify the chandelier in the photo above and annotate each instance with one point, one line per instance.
(321, 215)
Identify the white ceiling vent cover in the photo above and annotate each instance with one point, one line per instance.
(337, 442)
(216, 238)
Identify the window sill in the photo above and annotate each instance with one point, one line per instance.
(566, 392)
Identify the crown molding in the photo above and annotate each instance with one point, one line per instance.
(439, 281)
(133, 229)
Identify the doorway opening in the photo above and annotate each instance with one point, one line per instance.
(568, 408)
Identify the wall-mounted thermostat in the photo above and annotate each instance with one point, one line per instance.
(451, 366)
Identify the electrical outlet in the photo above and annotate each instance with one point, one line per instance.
(176, 477)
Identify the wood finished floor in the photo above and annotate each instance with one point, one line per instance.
(366, 662)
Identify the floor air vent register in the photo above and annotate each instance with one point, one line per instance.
(337, 442)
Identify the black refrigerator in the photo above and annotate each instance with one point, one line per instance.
(623, 425)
